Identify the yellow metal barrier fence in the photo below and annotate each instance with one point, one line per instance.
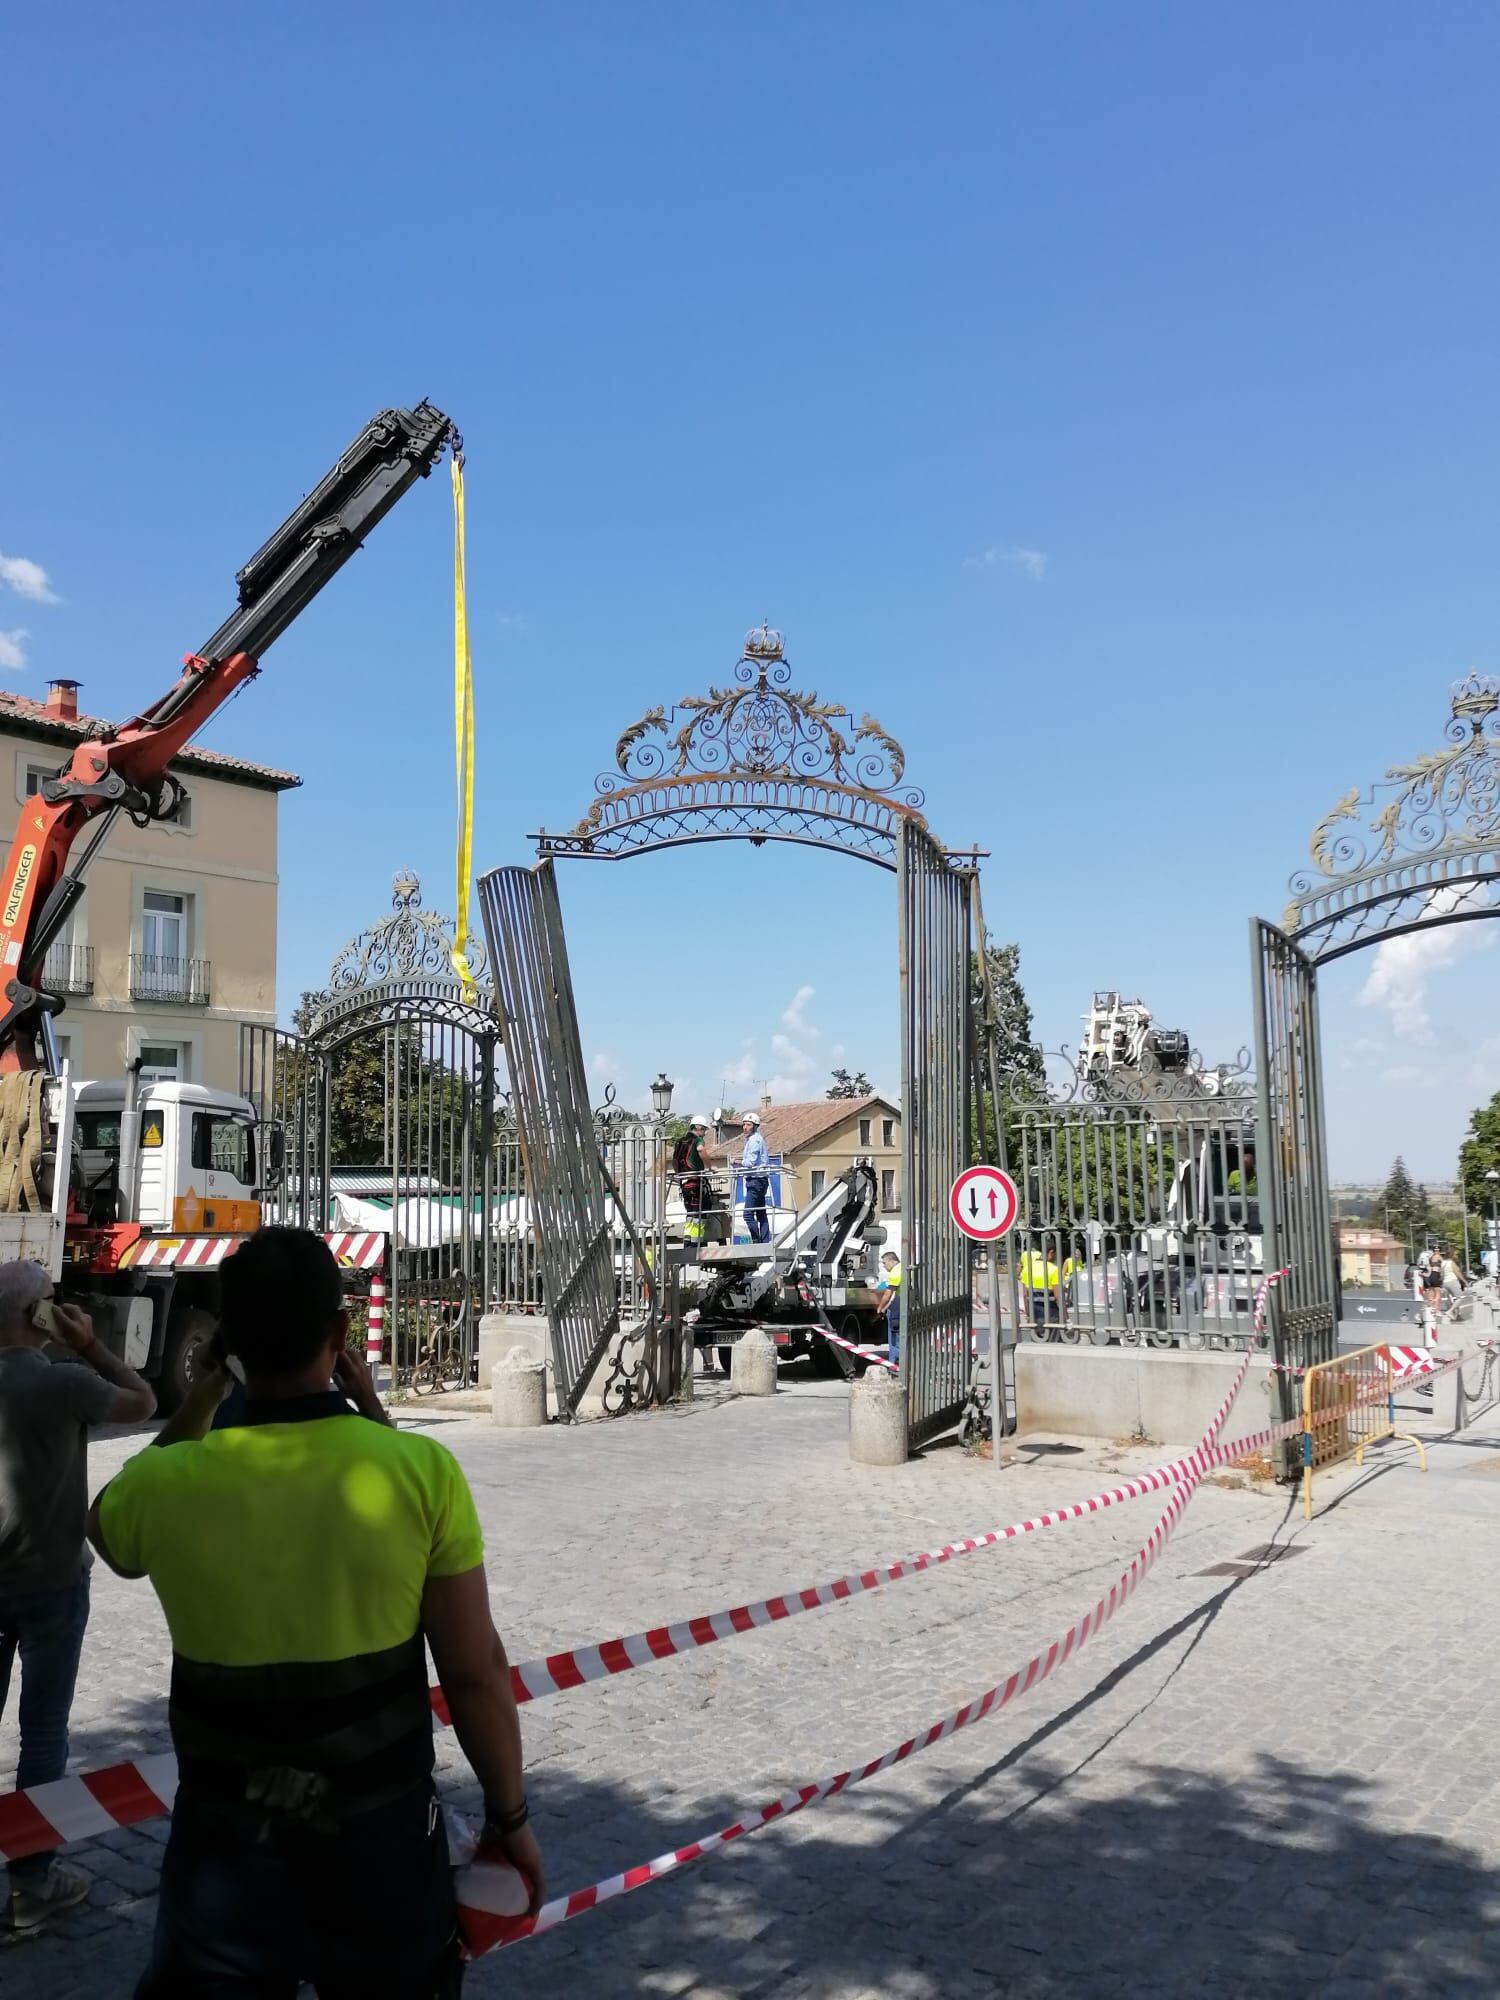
(1347, 1404)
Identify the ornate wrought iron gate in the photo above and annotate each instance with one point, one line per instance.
(384, 1098)
(1293, 1164)
(569, 1217)
(937, 1079)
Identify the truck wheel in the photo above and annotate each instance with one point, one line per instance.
(188, 1334)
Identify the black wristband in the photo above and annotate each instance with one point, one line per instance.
(501, 1824)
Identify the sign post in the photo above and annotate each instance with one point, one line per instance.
(983, 1204)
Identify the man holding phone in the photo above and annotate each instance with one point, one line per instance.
(305, 1560)
(46, 1410)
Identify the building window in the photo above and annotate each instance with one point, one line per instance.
(816, 1181)
(36, 776)
(887, 1131)
(888, 1189)
(164, 927)
(864, 1131)
(162, 969)
(163, 1062)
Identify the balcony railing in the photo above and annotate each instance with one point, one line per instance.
(69, 968)
(183, 982)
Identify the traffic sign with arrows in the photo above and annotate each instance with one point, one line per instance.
(983, 1203)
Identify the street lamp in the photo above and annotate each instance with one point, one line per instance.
(661, 1096)
(1493, 1177)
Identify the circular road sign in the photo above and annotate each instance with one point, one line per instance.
(983, 1203)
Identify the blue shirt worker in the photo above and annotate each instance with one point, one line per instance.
(890, 1292)
(306, 1559)
(755, 1164)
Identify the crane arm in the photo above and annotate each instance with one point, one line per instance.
(127, 768)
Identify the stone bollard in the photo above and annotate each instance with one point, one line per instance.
(752, 1365)
(518, 1393)
(877, 1419)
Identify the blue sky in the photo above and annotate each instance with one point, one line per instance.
(1104, 397)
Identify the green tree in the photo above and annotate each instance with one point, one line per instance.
(377, 1072)
(1403, 1207)
(845, 1085)
(1003, 1015)
(1480, 1155)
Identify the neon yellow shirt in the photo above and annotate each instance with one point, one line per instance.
(303, 1540)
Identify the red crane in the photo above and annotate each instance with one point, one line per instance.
(127, 769)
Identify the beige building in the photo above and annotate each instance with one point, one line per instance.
(174, 943)
(1371, 1257)
(821, 1140)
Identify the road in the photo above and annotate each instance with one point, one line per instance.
(1161, 1816)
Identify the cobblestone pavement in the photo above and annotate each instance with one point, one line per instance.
(1284, 1779)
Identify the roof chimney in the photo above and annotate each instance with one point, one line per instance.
(765, 1100)
(62, 700)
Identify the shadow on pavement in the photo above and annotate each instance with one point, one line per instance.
(1070, 1865)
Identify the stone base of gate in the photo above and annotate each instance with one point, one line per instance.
(502, 1334)
(1122, 1392)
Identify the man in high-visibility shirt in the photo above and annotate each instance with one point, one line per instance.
(302, 1558)
(889, 1288)
(1040, 1278)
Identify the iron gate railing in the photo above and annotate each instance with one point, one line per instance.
(1140, 1220)
(1294, 1155)
(569, 1214)
(937, 1081)
(383, 1100)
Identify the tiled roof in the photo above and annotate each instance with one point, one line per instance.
(33, 719)
(791, 1128)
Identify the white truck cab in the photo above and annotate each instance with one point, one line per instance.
(195, 1151)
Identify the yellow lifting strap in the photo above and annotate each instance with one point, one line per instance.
(463, 739)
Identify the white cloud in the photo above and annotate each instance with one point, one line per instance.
(787, 1089)
(606, 1065)
(796, 1059)
(795, 1018)
(740, 1073)
(1404, 1073)
(512, 621)
(1028, 562)
(13, 650)
(1398, 979)
(27, 579)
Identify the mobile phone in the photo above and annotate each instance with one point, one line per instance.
(44, 1316)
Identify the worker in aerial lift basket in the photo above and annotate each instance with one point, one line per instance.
(691, 1170)
(755, 1164)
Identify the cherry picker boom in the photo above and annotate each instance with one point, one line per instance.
(127, 768)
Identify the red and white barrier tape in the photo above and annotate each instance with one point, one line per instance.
(850, 1347)
(487, 1892)
(48, 1816)
(78, 1807)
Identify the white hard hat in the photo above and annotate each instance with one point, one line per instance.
(697, 1120)
(749, 1117)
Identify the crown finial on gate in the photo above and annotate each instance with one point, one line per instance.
(1475, 699)
(763, 642)
(406, 890)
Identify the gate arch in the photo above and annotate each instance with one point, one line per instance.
(1418, 849)
(755, 760)
(385, 1091)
